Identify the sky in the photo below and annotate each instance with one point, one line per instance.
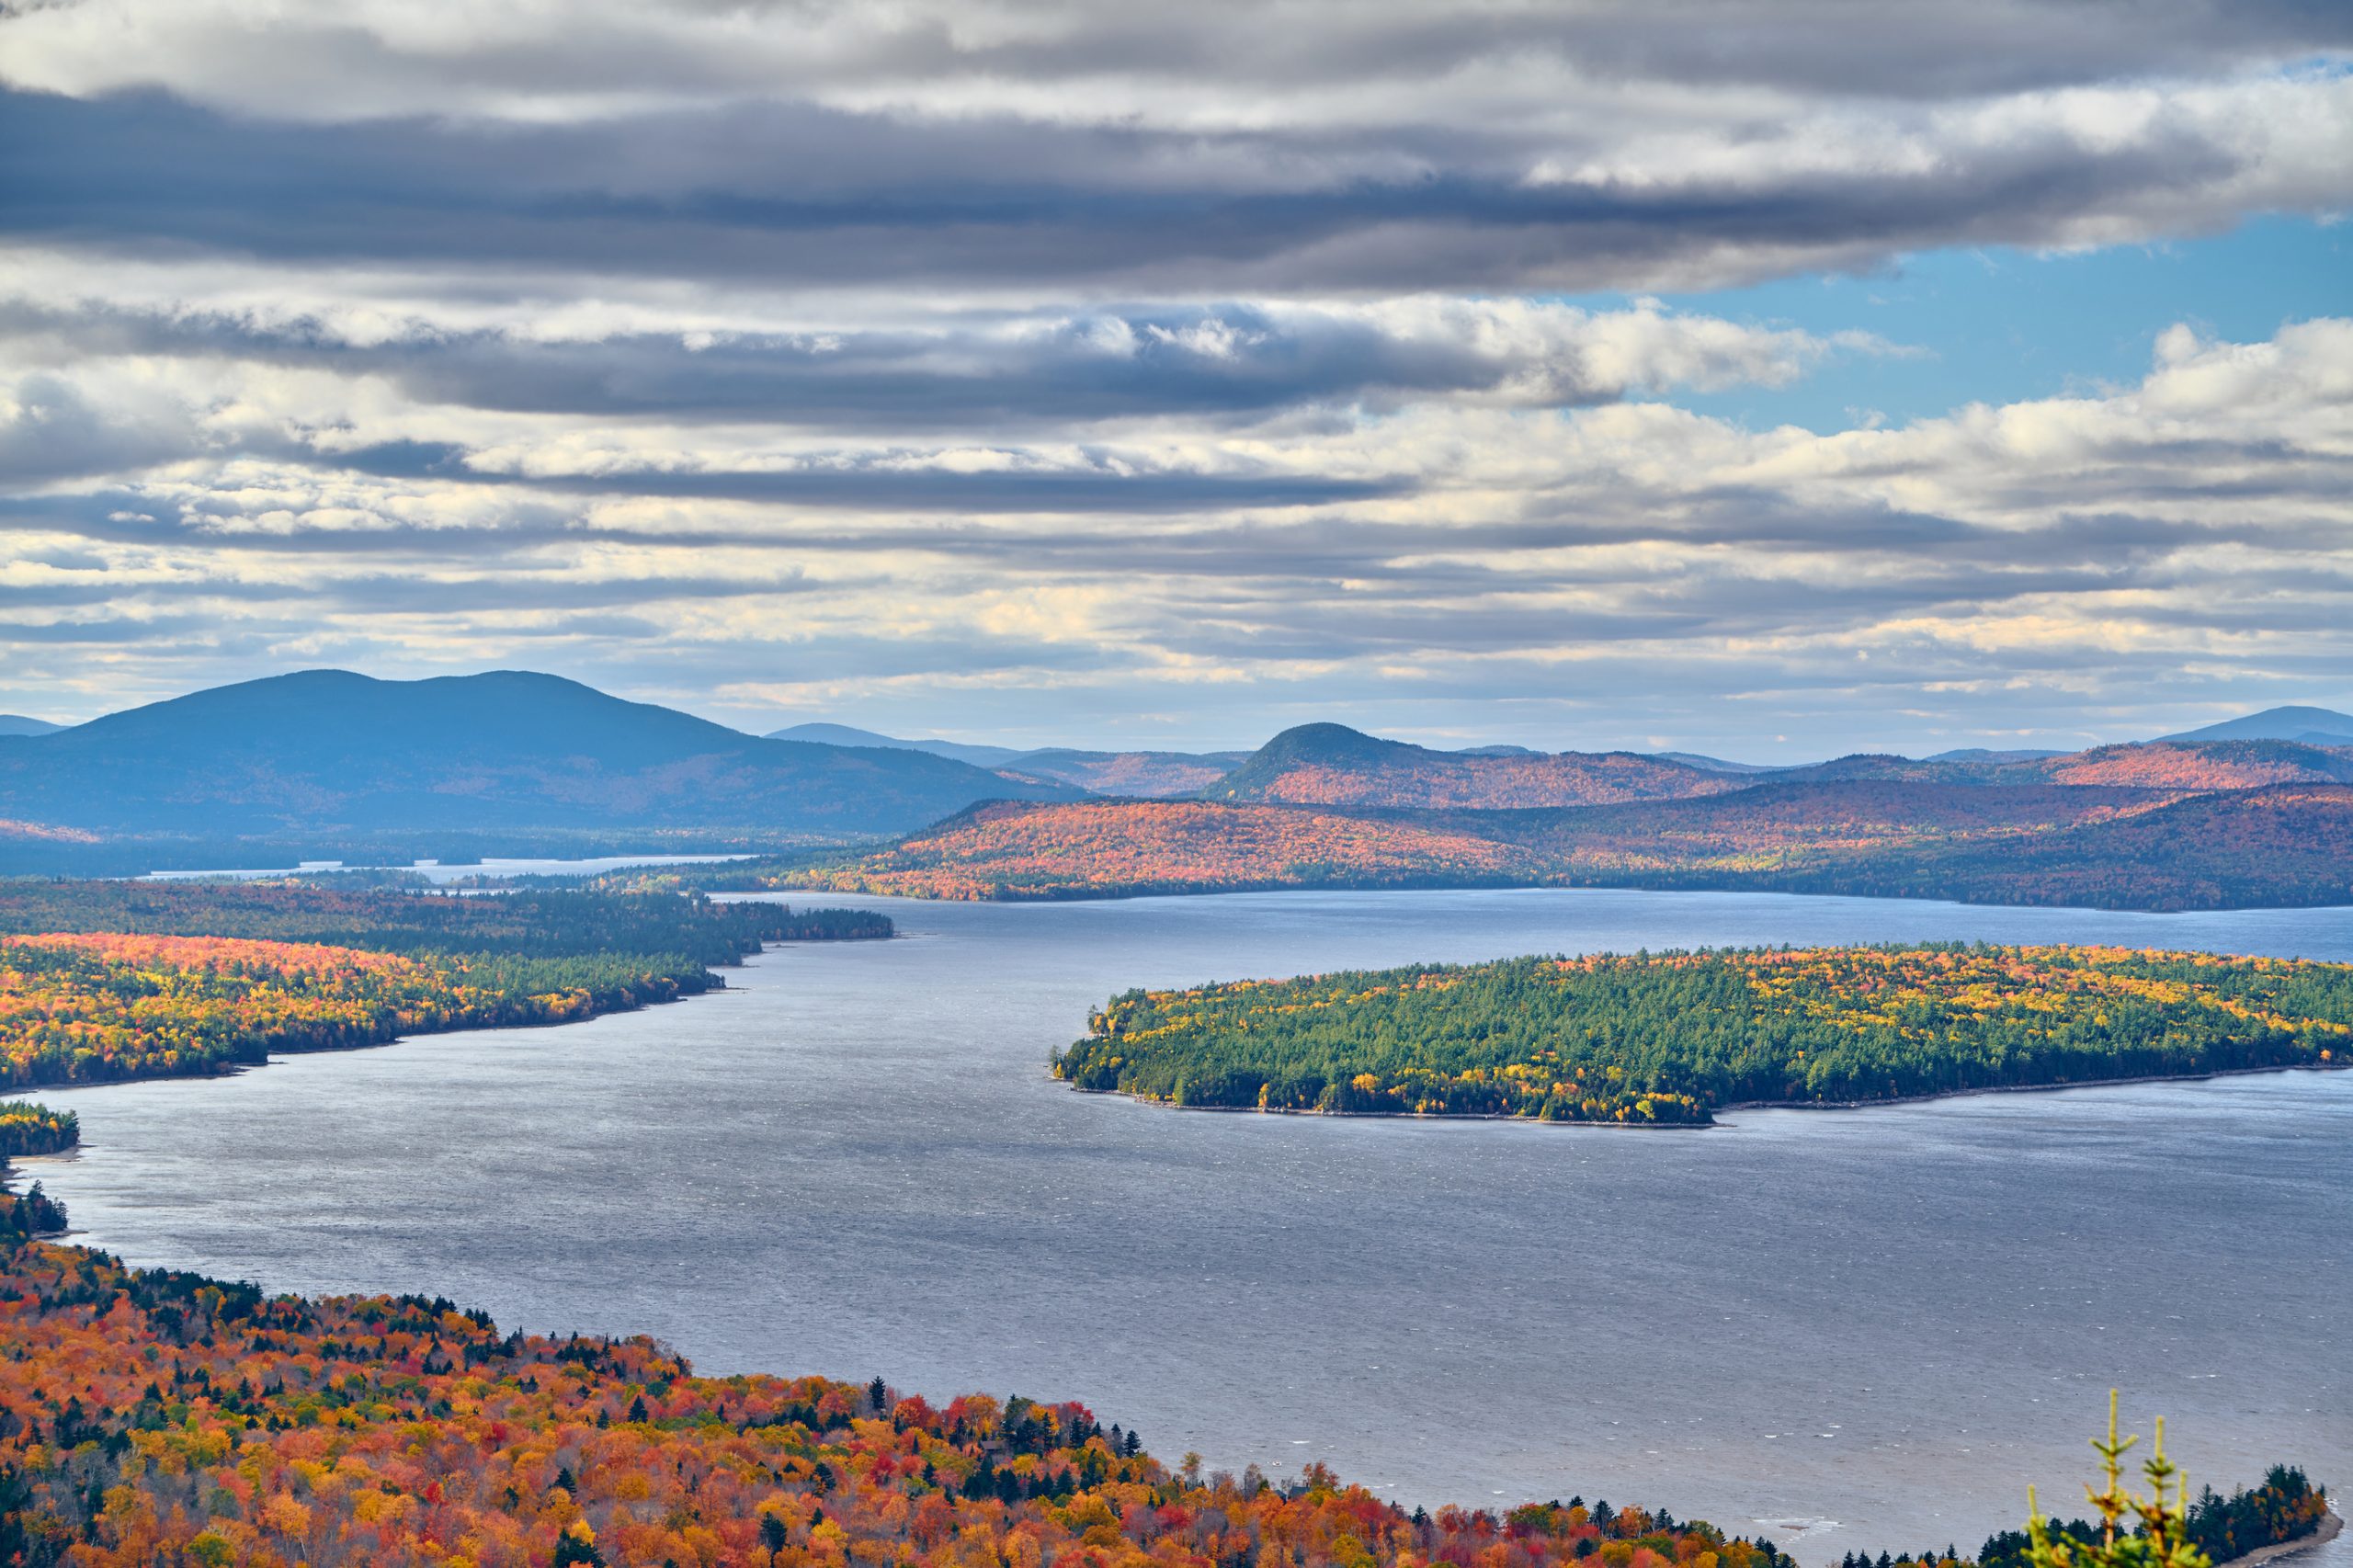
(1769, 380)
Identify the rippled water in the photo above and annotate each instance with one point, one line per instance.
(852, 1163)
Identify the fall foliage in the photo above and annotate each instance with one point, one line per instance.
(2089, 845)
(153, 1416)
(1663, 1038)
(119, 992)
(1093, 848)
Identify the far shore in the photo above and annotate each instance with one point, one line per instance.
(1718, 1112)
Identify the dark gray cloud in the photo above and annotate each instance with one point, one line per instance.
(1189, 366)
(55, 433)
(796, 194)
(357, 58)
(1231, 361)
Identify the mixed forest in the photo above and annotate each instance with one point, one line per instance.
(107, 980)
(153, 1416)
(2092, 846)
(1670, 1039)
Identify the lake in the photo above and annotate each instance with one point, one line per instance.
(1850, 1329)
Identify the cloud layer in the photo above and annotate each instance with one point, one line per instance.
(1088, 373)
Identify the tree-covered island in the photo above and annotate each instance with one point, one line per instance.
(1652, 1039)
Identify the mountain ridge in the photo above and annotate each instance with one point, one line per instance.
(2308, 726)
(1331, 765)
(321, 751)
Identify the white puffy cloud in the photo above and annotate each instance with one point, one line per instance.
(1587, 571)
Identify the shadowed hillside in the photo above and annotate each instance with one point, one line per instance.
(327, 750)
(2150, 765)
(1330, 765)
(2290, 844)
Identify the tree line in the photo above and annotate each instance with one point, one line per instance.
(102, 982)
(1670, 1038)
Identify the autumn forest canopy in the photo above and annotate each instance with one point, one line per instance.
(1671, 1038)
(151, 1416)
(104, 980)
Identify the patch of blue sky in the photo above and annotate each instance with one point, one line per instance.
(2003, 325)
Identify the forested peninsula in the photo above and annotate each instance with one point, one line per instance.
(1670, 1039)
(106, 981)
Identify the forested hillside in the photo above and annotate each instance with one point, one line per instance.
(2091, 846)
(330, 753)
(1329, 764)
(1103, 849)
(1663, 1038)
(1135, 774)
(539, 923)
(152, 1417)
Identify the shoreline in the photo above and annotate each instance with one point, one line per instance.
(1239, 889)
(717, 987)
(2332, 1525)
(1716, 1112)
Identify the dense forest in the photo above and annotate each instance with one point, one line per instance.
(1331, 764)
(29, 1129)
(1126, 848)
(96, 1007)
(152, 1417)
(537, 924)
(1670, 1038)
(105, 980)
(2284, 1506)
(2091, 846)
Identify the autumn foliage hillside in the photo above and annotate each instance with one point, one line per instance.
(1789, 824)
(2204, 764)
(2092, 846)
(2182, 766)
(1329, 764)
(2287, 845)
(1097, 848)
(151, 1417)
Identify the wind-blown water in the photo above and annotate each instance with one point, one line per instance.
(853, 1163)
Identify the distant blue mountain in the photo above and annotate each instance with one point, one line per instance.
(1153, 774)
(17, 724)
(328, 750)
(1713, 764)
(2307, 726)
(823, 734)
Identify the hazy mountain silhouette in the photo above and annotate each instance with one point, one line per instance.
(2307, 726)
(326, 750)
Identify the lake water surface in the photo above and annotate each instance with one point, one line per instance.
(1853, 1329)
